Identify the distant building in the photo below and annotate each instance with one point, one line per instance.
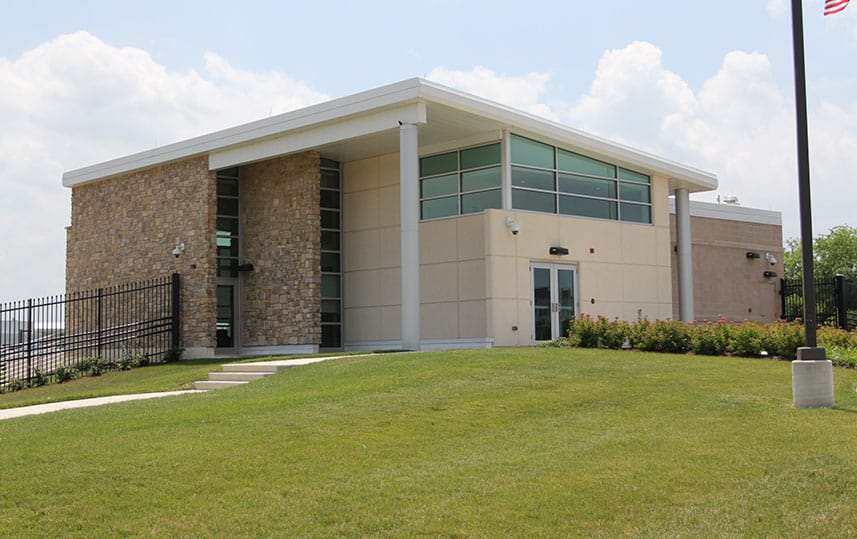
(408, 216)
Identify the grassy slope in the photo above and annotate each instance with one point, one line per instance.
(522, 442)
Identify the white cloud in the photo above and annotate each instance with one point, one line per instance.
(76, 101)
(739, 125)
(521, 92)
(776, 7)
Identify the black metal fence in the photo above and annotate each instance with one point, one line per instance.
(836, 301)
(40, 335)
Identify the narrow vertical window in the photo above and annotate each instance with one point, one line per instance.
(331, 255)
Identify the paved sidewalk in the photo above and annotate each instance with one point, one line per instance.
(83, 403)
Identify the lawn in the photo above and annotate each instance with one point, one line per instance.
(509, 442)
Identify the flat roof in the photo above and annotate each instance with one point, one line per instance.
(366, 124)
(731, 212)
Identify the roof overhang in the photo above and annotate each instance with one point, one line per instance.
(366, 124)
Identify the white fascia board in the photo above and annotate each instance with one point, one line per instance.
(318, 135)
(729, 212)
(694, 179)
(324, 112)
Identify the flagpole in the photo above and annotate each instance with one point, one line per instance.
(812, 373)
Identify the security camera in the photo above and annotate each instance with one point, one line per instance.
(771, 259)
(513, 226)
(178, 250)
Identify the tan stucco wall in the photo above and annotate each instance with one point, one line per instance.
(281, 234)
(725, 282)
(124, 229)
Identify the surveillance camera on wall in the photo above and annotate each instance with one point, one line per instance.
(178, 250)
(771, 259)
(513, 226)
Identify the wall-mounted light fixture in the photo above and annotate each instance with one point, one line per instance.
(512, 225)
(751, 254)
(245, 267)
(558, 251)
(770, 274)
(178, 250)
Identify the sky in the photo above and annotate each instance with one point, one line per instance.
(707, 84)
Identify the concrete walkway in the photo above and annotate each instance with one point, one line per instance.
(83, 403)
(98, 401)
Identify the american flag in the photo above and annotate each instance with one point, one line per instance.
(834, 6)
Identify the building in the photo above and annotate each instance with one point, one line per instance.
(411, 216)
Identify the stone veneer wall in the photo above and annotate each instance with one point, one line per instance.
(281, 234)
(123, 229)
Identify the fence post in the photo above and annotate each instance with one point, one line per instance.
(176, 303)
(98, 322)
(783, 299)
(29, 339)
(839, 301)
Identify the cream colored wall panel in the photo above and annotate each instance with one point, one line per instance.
(389, 206)
(361, 250)
(472, 321)
(471, 280)
(665, 288)
(389, 169)
(361, 288)
(504, 315)
(665, 312)
(664, 247)
(471, 237)
(600, 281)
(501, 277)
(660, 206)
(360, 210)
(360, 175)
(438, 282)
(439, 320)
(608, 309)
(390, 290)
(438, 241)
(391, 323)
(640, 284)
(390, 249)
(581, 235)
(650, 310)
(498, 239)
(524, 334)
(362, 324)
(639, 245)
(538, 233)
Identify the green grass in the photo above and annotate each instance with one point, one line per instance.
(510, 442)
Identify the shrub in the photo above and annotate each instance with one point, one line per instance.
(612, 334)
(786, 338)
(39, 378)
(669, 336)
(559, 342)
(842, 356)
(749, 339)
(16, 385)
(171, 355)
(712, 338)
(64, 373)
(583, 332)
(830, 337)
(94, 366)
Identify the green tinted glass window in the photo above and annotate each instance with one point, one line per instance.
(227, 187)
(439, 164)
(227, 267)
(439, 207)
(635, 192)
(330, 286)
(227, 247)
(330, 310)
(330, 219)
(329, 240)
(330, 199)
(439, 186)
(572, 162)
(227, 206)
(329, 163)
(484, 178)
(530, 152)
(476, 202)
(330, 262)
(587, 207)
(227, 226)
(637, 213)
(626, 174)
(330, 179)
(331, 336)
(582, 185)
(533, 201)
(482, 156)
(533, 179)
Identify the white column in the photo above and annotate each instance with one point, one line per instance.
(685, 257)
(409, 179)
(506, 176)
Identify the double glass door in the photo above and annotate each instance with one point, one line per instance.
(554, 299)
